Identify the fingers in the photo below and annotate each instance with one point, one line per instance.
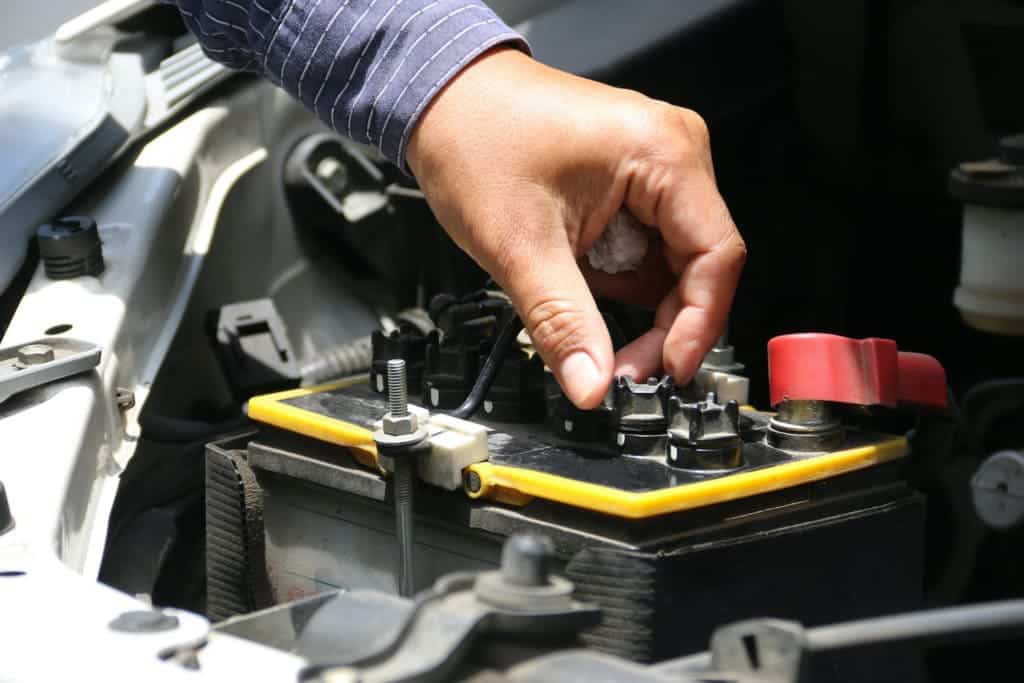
(707, 283)
(642, 358)
(706, 287)
(674, 188)
(559, 313)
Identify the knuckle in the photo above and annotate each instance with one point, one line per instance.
(697, 126)
(556, 327)
(734, 248)
(692, 140)
(667, 132)
(739, 254)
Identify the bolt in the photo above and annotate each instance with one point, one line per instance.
(403, 481)
(35, 354)
(398, 421)
(398, 397)
(403, 474)
(524, 560)
(722, 357)
(125, 398)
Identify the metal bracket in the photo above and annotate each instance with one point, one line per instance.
(434, 634)
(36, 363)
(442, 626)
(766, 650)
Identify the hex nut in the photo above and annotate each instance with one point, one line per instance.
(35, 354)
(399, 426)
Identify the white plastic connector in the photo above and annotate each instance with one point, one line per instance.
(454, 445)
(727, 386)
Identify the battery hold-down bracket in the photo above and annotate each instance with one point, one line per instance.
(33, 364)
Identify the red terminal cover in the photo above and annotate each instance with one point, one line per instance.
(828, 367)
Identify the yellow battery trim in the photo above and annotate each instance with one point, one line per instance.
(314, 412)
(275, 410)
(500, 483)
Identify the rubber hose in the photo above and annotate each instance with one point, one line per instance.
(344, 360)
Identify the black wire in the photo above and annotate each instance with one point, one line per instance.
(503, 346)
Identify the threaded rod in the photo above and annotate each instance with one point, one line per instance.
(398, 397)
(403, 482)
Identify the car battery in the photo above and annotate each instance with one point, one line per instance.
(672, 512)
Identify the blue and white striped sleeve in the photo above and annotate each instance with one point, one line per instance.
(367, 68)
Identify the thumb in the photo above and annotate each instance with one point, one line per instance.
(559, 313)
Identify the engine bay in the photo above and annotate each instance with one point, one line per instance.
(285, 426)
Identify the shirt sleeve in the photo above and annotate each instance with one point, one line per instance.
(366, 68)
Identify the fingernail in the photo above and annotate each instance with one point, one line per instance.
(580, 377)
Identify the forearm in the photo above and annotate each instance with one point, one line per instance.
(367, 68)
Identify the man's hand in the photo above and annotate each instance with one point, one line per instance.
(524, 165)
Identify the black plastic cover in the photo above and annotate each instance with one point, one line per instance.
(70, 247)
(252, 342)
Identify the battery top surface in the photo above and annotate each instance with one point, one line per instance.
(527, 461)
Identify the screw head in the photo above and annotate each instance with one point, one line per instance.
(35, 354)
(996, 489)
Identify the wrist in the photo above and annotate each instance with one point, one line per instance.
(473, 94)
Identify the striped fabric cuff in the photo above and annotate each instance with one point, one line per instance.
(369, 68)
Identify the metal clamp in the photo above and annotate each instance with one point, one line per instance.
(36, 363)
